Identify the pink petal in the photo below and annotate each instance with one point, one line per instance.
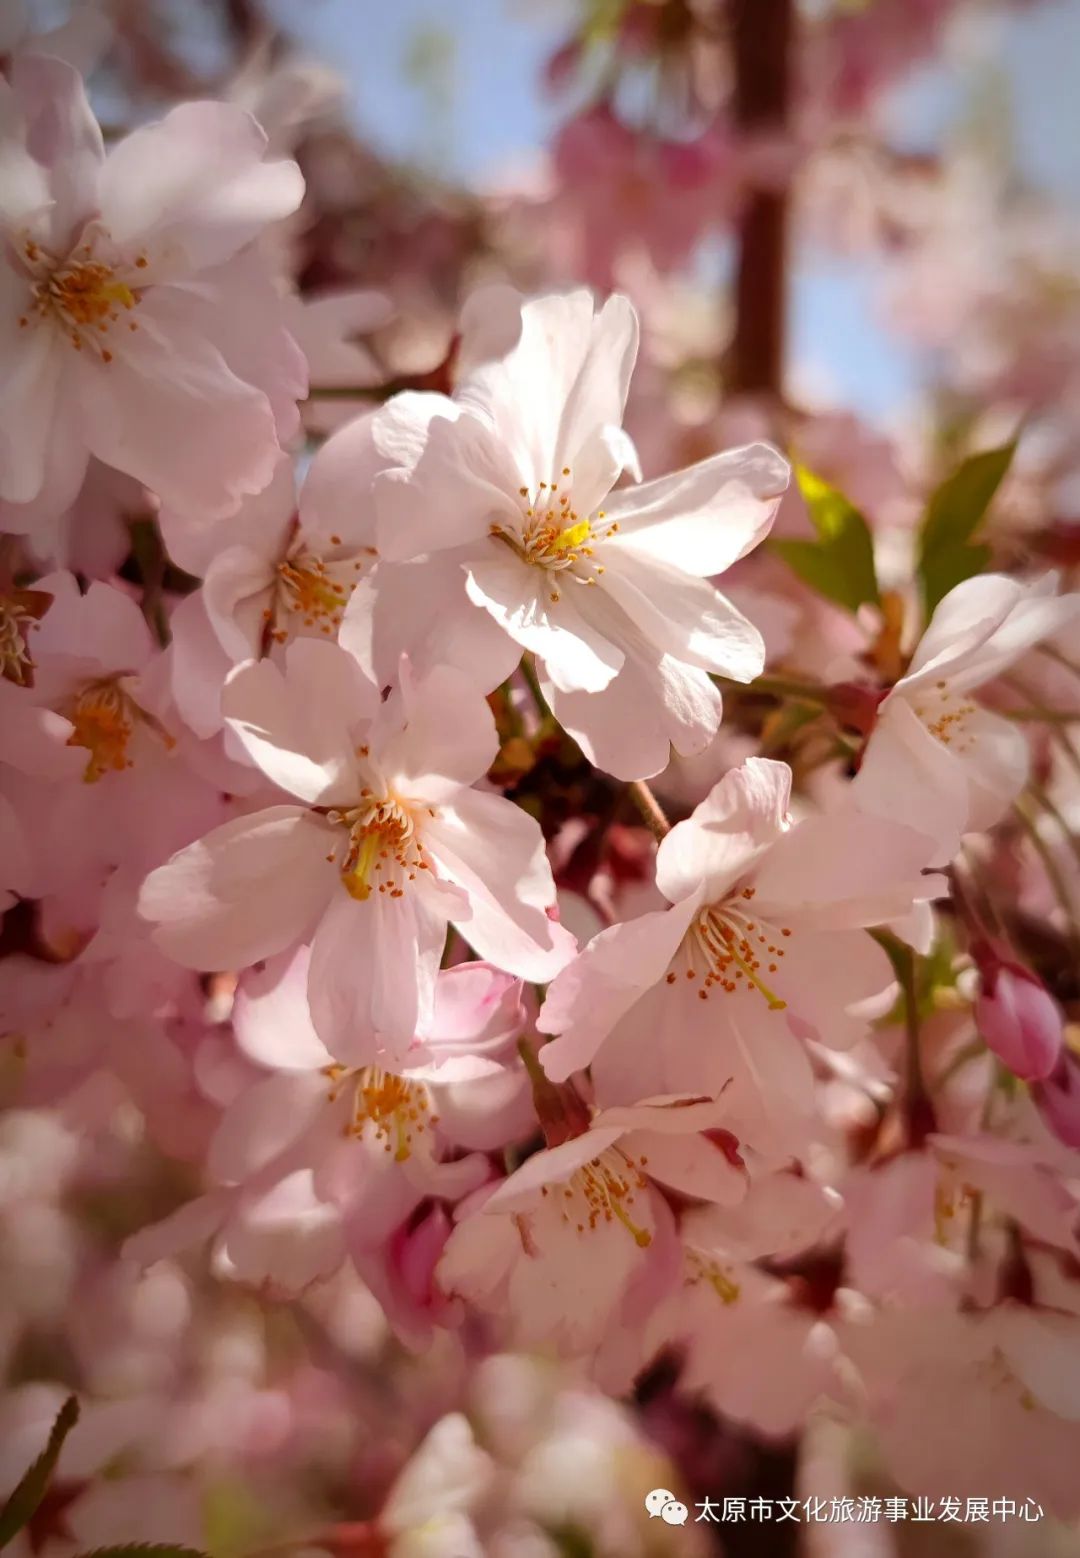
(495, 852)
(196, 184)
(268, 1117)
(588, 998)
(292, 722)
(447, 739)
(576, 654)
(741, 817)
(246, 891)
(166, 392)
(704, 518)
(271, 1019)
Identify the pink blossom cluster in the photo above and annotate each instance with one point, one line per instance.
(335, 954)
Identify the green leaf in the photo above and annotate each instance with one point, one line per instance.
(27, 1496)
(840, 564)
(947, 554)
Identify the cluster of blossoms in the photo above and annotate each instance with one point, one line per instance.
(490, 904)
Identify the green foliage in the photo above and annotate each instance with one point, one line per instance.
(840, 563)
(947, 554)
(25, 1499)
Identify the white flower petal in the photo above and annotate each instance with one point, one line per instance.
(247, 890)
(293, 723)
(495, 851)
(704, 518)
(541, 613)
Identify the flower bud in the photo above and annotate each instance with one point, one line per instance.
(1018, 1018)
(1058, 1100)
(561, 68)
(854, 705)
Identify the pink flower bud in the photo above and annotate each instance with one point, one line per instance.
(855, 705)
(1019, 1019)
(562, 66)
(1058, 1100)
(417, 1250)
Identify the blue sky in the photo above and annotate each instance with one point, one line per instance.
(485, 110)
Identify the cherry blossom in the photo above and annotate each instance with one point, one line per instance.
(382, 846)
(607, 588)
(113, 350)
(555, 1247)
(268, 576)
(399, 962)
(762, 948)
(935, 758)
(313, 1159)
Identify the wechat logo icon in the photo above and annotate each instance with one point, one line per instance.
(665, 1505)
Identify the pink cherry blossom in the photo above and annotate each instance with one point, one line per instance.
(135, 320)
(621, 192)
(936, 759)
(515, 476)
(555, 1248)
(723, 1302)
(974, 1404)
(383, 845)
(268, 577)
(312, 1160)
(763, 947)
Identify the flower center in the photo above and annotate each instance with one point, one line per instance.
(554, 536)
(84, 296)
(16, 622)
(382, 844)
(603, 1191)
(728, 951)
(105, 717)
(393, 1109)
(945, 716)
(312, 588)
(950, 1197)
(699, 1268)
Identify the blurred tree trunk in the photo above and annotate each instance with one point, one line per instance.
(762, 42)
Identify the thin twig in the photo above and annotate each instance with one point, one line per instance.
(650, 809)
(1052, 869)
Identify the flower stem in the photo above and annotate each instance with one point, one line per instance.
(778, 687)
(532, 681)
(349, 391)
(1053, 871)
(917, 1107)
(650, 809)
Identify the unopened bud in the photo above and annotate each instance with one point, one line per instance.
(1058, 1100)
(1018, 1017)
(854, 705)
(561, 68)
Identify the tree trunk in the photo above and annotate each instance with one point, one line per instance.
(762, 38)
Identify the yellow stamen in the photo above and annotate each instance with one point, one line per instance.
(573, 536)
(394, 1109)
(105, 716)
(607, 1185)
(357, 877)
